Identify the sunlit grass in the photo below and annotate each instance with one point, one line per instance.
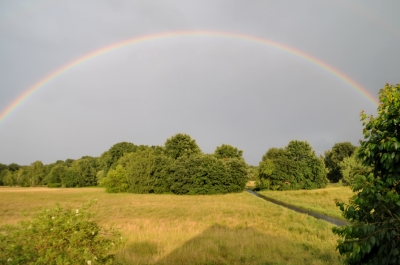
(171, 229)
(320, 200)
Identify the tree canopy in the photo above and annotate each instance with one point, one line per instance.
(227, 151)
(334, 157)
(294, 167)
(181, 145)
(374, 212)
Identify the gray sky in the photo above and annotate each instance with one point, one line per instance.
(216, 89)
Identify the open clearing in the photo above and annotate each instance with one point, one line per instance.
(320, 200)
(170, 229)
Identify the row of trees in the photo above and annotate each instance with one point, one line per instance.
(178, 167)
(297, 167)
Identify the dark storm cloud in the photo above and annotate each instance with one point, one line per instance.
(218, 90)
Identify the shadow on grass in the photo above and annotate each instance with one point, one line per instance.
(244, 245)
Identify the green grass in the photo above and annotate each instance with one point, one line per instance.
(169, 229)
(320, 200)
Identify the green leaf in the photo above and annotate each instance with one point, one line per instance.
(372, 240)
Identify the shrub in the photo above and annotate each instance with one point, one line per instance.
(373, 237)
(206, 174)
(291, 168)
(59, 236)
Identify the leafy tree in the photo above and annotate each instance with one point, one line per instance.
(333, 158)
(36, 173)
(68, 162)
(294, 167)
(181, 145)
(373, 237)
(227, 151)
(109, 159)
(139, 168)
(116, 180)
(350, 167)
(56, 176)
(85, 169)
(8, 178)
(13, 167)
(206, 174)
(3, 169)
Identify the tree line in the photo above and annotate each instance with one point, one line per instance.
(180, 164)
(178, 167)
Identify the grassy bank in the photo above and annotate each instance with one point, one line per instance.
(320, 200)
(170, 229)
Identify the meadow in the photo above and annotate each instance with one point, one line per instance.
(197, 229)
(319, 200)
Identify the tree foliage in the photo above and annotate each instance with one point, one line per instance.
(206, 174)
(227, 151)
(334, 157)
(181, 145)
(373, 237)
(109, 159)
(36, 173)
(294, 167)
(350, 167)
(180, 168)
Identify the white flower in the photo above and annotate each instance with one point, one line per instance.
(76, 211)
(92, 232)
(9, 259)
(52, 218)
(89, 262)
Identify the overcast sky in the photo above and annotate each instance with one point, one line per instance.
(217, 89)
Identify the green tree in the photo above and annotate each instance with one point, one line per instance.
(139, 169)
(8, 178)
(116, 180)
(3, 169)
(85, 169)
(374, 232)
(206, 174)
(181, 145)
(350, 167)
(56, 176)
(109, 159)
(333, 158)
(70, 178)
(36, 173)
(227, 151)
(294, 167)
(13, 167)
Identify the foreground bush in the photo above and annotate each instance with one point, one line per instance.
(374, 212)
(59, 236)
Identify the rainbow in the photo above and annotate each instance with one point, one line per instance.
(31, 90)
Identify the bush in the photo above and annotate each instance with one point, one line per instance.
(373, 237)
(59, 236)
(291, 168)
(206, 174)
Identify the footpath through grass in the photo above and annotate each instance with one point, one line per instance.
(320, 200)
(170, 229)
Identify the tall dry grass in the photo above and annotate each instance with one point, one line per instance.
(319, 200)
(170, 229)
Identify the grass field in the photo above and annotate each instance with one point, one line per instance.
(171, 229)
(320, 200)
